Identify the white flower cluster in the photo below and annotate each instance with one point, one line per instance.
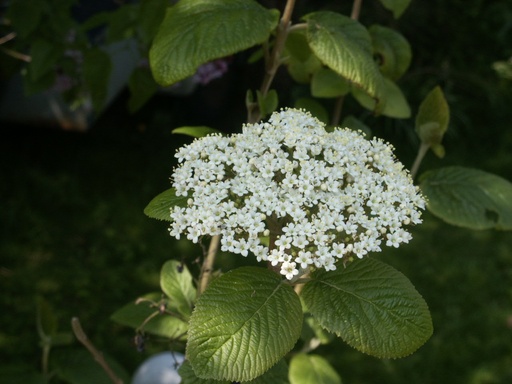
(293, 194)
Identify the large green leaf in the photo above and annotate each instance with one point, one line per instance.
(135, 315)
(176, 282)
(396, 6)
(433, 117)
(195, 32)
(160, 207)
(392, 50)
(345, 46)
(243, 324)
(469, 197)
(371, 306)
(312, 369)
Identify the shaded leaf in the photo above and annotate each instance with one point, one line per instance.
(314, 107)
(327, 83)
(312, 369)
(176, 282)
(433, 117)
(392, 50)
(195, 32)
(355, 124)
(468, 197)
(371, 306)
(135, 315)
(394, 104)
(345, 46)
(96, 69)
(189, 377)
(397, 7)
(142, 87)
(268, 103)
(160, 207)
(243, 324)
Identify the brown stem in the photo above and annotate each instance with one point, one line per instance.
(356, 9)
(207, 267)
(98, 356)
(336, 113)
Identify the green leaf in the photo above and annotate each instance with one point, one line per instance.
(78, 366)
(243, 324)
(433, 117)
(314, 107)
(312, 369)
(135, 316)
(278, 374)
(44, 59)
(196, 131)
(151, 14)
(371, 306)
(355, 124)
(345, 46)
(195, 32)
(300, 60)
(327, 83)
(176, 282)
(392, 50)
(46, 320)
(393, 103)
(25, 16)
(142, 87)
(312, 330)
(189, 377)
(503, 68)
(20, 373)
(396, 6)
(468, 197)
(160, 207)
(267, 104)
(96, 70)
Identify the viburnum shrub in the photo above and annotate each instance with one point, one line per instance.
(311, 202)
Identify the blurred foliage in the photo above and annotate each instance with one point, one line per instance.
(72, 228)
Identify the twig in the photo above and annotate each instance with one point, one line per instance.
(356, 9)
(98, 356)
(207, 267)
(7, 38)
(336, 113)
(17, 55)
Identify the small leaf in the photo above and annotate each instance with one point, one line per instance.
(96, 69)
(195, 131)
(135, 316)
(243, 324)
(371, 306)
(312, 369)
(300, 60)
(160, 207)
(396, 6)
(176, 282)
(345, 46)
(314, 107)
(267, 104)
(392, 50)
(46, 320)
(355, 124)
(327, 83)
(393, 102)
(195, 32)
(142, 87)
(468, 197)
(433, 117)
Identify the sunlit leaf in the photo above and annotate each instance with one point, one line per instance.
(160, 207)
(345, 46)
(195, 131)
(195, 32)
(371, 306)
(312, 369)
(468, 197)
(243, 324)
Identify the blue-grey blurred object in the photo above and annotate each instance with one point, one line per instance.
(161, 368)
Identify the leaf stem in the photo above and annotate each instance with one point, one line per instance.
(422, 151)
(336, 113)
(98, 356)
(207, 267)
